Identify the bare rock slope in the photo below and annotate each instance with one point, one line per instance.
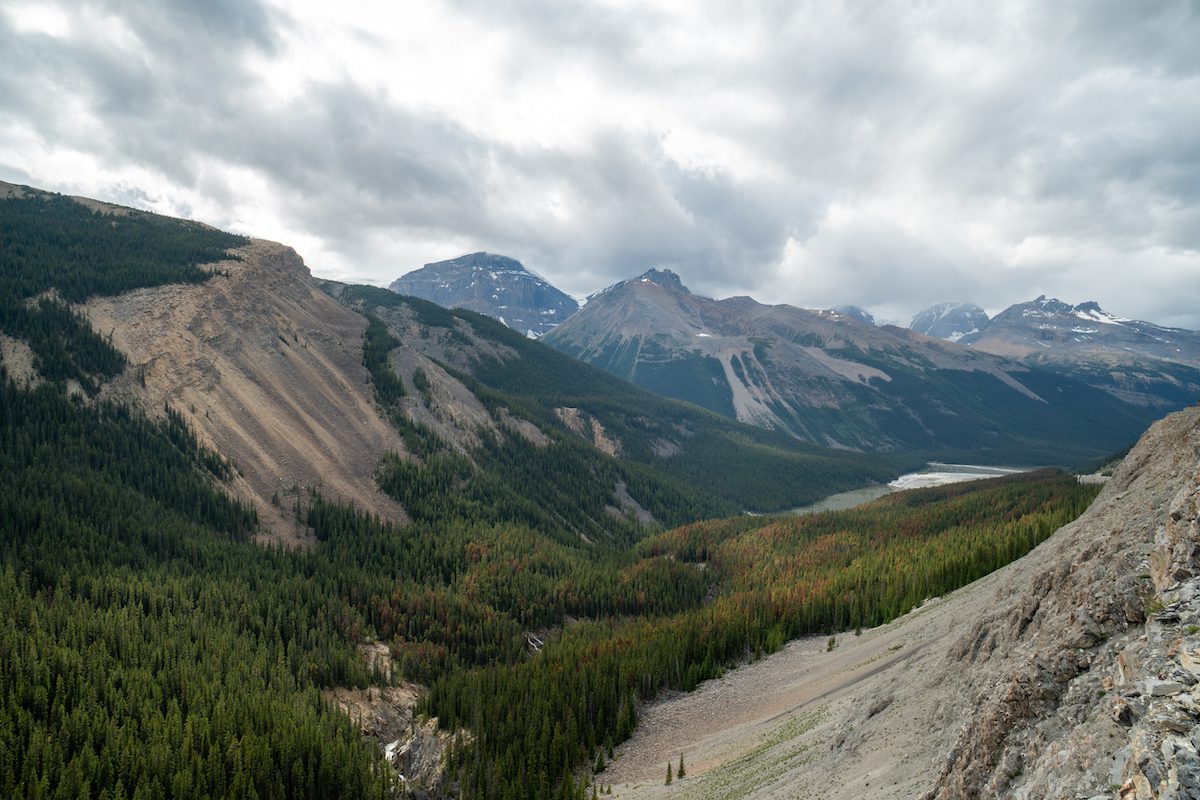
(1071, 673)
(268, 369)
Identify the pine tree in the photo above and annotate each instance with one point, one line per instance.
(668, 773)
(679, 772)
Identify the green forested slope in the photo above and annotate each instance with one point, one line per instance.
(771, 579)
(149, 649)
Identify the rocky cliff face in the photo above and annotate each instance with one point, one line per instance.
(230, 354)
(1085, 679)
(494, 285)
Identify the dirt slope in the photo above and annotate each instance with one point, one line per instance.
(268, 370)
(1043, 680)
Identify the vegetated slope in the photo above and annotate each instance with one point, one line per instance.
(152, 645)
(476, 384)
(149, 643)
(770, 580)
(264, 367)
(1068, 673)
(828, 378)
(497, 286)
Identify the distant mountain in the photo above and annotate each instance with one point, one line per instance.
(1140, 362)
(860, 314)
(827, 377)
(950, 321)
(494, 285)
(1050, 326)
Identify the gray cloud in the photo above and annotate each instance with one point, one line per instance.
(887, 156)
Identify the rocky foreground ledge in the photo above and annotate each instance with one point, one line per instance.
(1085, 680)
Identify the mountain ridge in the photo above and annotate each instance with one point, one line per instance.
(1139, 362)
(827, 377)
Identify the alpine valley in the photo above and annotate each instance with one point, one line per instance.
(264, 535)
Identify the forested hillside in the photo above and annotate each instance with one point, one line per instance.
(769, 580)
(151, 645)
(150, 649)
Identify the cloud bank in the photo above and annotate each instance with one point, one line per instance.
(885, 155)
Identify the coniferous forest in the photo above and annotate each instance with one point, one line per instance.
(150, 649)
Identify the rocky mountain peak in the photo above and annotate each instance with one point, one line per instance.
(484, 260)
(1051, 305)
(664, 278)
(951, 321)
(491, 284)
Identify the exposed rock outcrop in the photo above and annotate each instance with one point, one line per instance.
(1081, 680)
(230, 353)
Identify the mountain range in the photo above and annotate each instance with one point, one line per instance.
(1139, 362)
(497, 286)
(830, 378)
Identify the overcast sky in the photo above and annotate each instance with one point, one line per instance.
(889, 155)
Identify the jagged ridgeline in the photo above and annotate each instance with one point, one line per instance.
(678, 461)
(54, 250)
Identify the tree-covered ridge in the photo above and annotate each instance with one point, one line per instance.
(55, 251)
